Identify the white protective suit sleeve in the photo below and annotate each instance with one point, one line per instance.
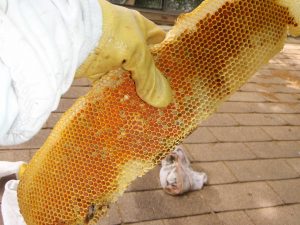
(9, 204)
(42, 43)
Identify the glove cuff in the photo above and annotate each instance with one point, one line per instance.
(89, 67)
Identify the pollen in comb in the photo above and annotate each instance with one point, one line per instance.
(110, 136)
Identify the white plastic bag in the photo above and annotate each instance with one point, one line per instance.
(177, 176)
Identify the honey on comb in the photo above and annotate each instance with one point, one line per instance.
(110, 136)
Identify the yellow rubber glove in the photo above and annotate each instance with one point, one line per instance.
(124, 43)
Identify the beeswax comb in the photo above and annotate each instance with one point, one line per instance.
(110, 136)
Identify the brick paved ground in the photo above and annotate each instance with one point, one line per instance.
(250, 150)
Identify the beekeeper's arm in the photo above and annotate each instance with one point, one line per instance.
(44, 43)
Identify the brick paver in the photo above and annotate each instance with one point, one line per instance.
(201, 135)
(292, 119)
(52, 120)
(285, 98)
(82, 82)
(154, 222)
(219, 120)
(239, 134)
(235, 107)
(283, 133)
(295, 163)
(219, 151)
(275, 149)
(64, 105)
(259, 107)
(270, 97)
(217, 172)
(15, 155)
(234, 218)
(288, 190)
(248, 119)
(285, 215)
(209, 219)
(76, 92)
(240, 196)
(247, 97)
(269, 169)
(262, 79)
(268, 88)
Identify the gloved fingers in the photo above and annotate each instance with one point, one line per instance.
(151, 85)
(95, 77)
(153, 33)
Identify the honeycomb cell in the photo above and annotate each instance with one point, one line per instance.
(110, 136)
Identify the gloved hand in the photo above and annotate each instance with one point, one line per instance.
(126, 35)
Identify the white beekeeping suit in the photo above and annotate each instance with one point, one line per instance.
(41, 45)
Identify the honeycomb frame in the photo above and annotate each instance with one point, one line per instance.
(110, 136)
